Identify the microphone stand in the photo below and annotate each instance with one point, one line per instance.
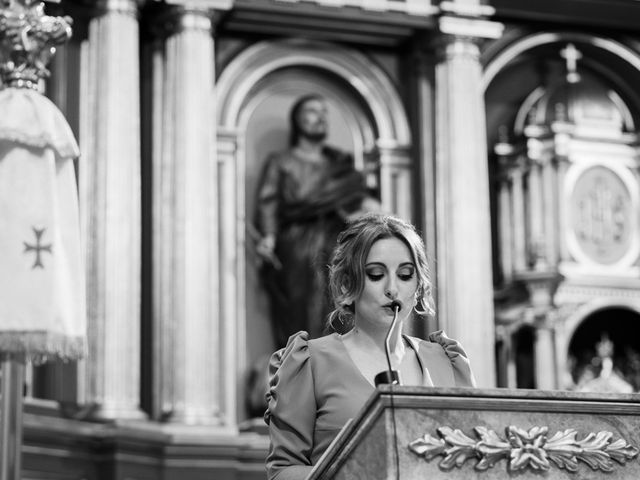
(389, 376)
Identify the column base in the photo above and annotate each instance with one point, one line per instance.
(194, 417)
(108, 412)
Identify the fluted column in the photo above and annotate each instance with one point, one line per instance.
(423, 112)
(464, 282)
(550, 199)
(185, 200)
(563, 222)
(505, 226)
(536, 257)
(519, 215)
(545, 360)
(110, 206)
(396, 181)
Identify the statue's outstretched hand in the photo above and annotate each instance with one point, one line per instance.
(265, 248)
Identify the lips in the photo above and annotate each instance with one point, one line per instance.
(391, 305)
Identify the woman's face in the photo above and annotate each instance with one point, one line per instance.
(390, 274)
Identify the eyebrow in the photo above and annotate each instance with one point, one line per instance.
(403, 264)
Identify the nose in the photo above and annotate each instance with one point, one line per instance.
(391, 290)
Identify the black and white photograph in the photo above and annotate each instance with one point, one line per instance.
(319, 239)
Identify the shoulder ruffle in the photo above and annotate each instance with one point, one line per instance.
(458, 358)
(284, 364)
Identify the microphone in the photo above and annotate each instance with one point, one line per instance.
(389, 376)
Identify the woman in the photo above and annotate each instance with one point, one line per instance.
(317, 385)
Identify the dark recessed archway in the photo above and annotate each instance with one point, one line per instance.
(620, 326)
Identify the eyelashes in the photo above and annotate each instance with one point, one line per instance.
(376, 277)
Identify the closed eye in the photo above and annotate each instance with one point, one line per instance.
(375, 277)
(405, 274)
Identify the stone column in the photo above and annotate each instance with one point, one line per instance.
(563, 207)
(423, 113)
(231, 297)
(535, 235)
(550, 208)
(519, 215)
(110, 208)
(464, 282)
(189, 353)
(505, 226)
(545, 359)
(396, 180)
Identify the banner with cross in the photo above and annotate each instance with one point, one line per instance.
(42, 291)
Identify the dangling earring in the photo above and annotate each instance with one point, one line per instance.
(416, 301)
(416, 309)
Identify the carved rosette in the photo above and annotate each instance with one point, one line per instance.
(532, 449)
(27, 41)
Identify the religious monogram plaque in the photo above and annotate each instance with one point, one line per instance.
(601, 217)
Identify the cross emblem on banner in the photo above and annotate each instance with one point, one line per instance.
(38, 247)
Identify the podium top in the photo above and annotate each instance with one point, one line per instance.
(480, 429)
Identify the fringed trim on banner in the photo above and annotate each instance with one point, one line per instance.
(40, 140)
(40, 347)
(31, 119)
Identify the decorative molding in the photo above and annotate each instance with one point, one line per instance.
(180, 19)
(127, 7)
(203, 4)
(470, 27)
(524, 449)
(530, 42)
(467, 9)
(410, 7)
(622, 185)
(363, 75)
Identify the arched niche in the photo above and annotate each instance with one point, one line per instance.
(588, 327)
(238, 80)
(514, 71)
(586, 310)
(254, 94)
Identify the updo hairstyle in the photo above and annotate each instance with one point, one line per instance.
(347, 267)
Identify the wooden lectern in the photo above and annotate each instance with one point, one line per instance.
(465, 433)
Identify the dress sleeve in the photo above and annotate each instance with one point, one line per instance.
(291, 410)
(461, 367)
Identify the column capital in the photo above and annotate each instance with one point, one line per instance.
(203, 4)
(466, 21)
(466, 8)
(449, 47)
(180, 17)
(129, 7)
(457, 27)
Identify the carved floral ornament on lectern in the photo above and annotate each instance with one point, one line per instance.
(524, 449)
